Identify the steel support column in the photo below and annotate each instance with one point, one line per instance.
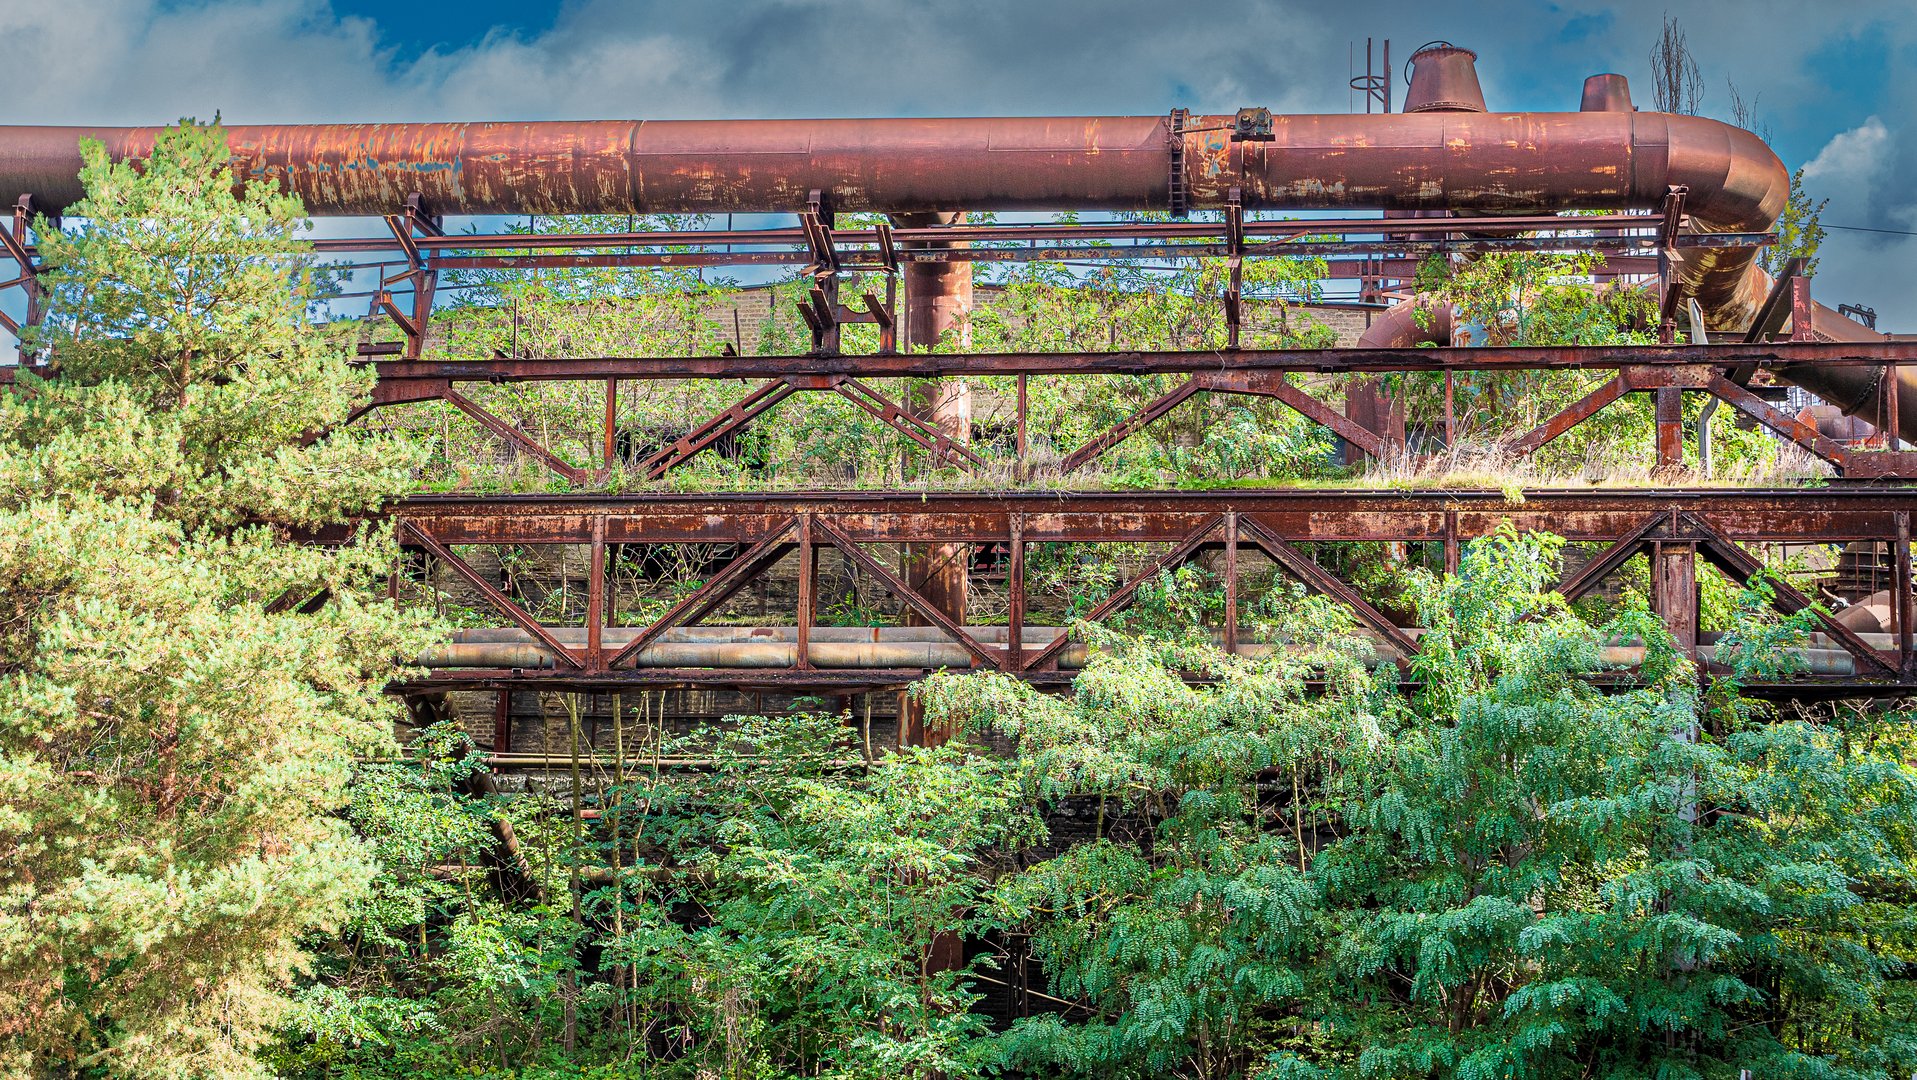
(1674, 591)
(938, 300)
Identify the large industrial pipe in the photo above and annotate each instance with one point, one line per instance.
(1410, 324)
(1860, 390)
(1605, 157)
(1444, 80)
(1472, 162)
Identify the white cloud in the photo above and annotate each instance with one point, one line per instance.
(266, 61)
(1851, 172)
(1861, 153)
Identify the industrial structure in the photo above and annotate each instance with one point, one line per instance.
(1682, 203)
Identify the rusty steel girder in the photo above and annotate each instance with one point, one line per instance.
(397, 376)
(1755, 515)
(1673, 528)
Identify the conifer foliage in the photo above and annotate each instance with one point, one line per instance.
(181, 687)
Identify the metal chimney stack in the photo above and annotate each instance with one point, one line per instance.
(1606, 93)
(1444, 78)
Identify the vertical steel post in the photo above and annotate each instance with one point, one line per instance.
(1670, 427)
(827, 282)
(1015, 607)
(1891, 415)
(1018, 468)
(502, 721)
(1801, 310)
(1451, 552)
(938, 299)
(1901, 612)
(29, 272)
(424, 286)
(1674, 591)
(808, 565)
(1450, 413)
(596, 597)
(1231, 582)
(611, 433)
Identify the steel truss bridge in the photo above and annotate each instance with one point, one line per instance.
(1674, 526)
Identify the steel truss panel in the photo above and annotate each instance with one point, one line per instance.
(1672, 524)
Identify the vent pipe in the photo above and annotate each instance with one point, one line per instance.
(1607, 93)
(1444, 78)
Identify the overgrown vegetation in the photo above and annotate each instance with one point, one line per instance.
(1296, 869)
(222, 865)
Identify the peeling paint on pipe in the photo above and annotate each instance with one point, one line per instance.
(1472, 162)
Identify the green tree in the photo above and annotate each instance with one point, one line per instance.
(1187, 929)
(1543, 877)
(1798, 233)
(181, 687)
(1515, 871)
(773, 912)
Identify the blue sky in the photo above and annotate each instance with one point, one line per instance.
(416, 28)
(1833, 83)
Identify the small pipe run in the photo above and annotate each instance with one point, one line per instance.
(777, 648)
(616, 636)
(928, 655)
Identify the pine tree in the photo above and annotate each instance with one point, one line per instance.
(182, 688)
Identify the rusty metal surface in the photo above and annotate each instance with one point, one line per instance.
(1806, 515)
(1409, 325)
(658, 166)
(1444, 78)
(1023, 233)
(1608, 92)
(869, 680)
(1487, 162)
(1673, 527)
(396, 376)
(1859, 392)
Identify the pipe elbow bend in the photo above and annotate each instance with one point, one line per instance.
(1422, 320)
(1736, 183)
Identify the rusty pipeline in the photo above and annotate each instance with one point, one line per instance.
(1421, 320)
(1442, 155)
(1492, 162)
(1479, 162)
(1859, 391)
(1728, 284)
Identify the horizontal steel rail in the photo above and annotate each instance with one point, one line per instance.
(1461, 358)
(1835, 514)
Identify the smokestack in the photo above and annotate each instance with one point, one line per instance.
(1444, 78)
(1606, 93)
